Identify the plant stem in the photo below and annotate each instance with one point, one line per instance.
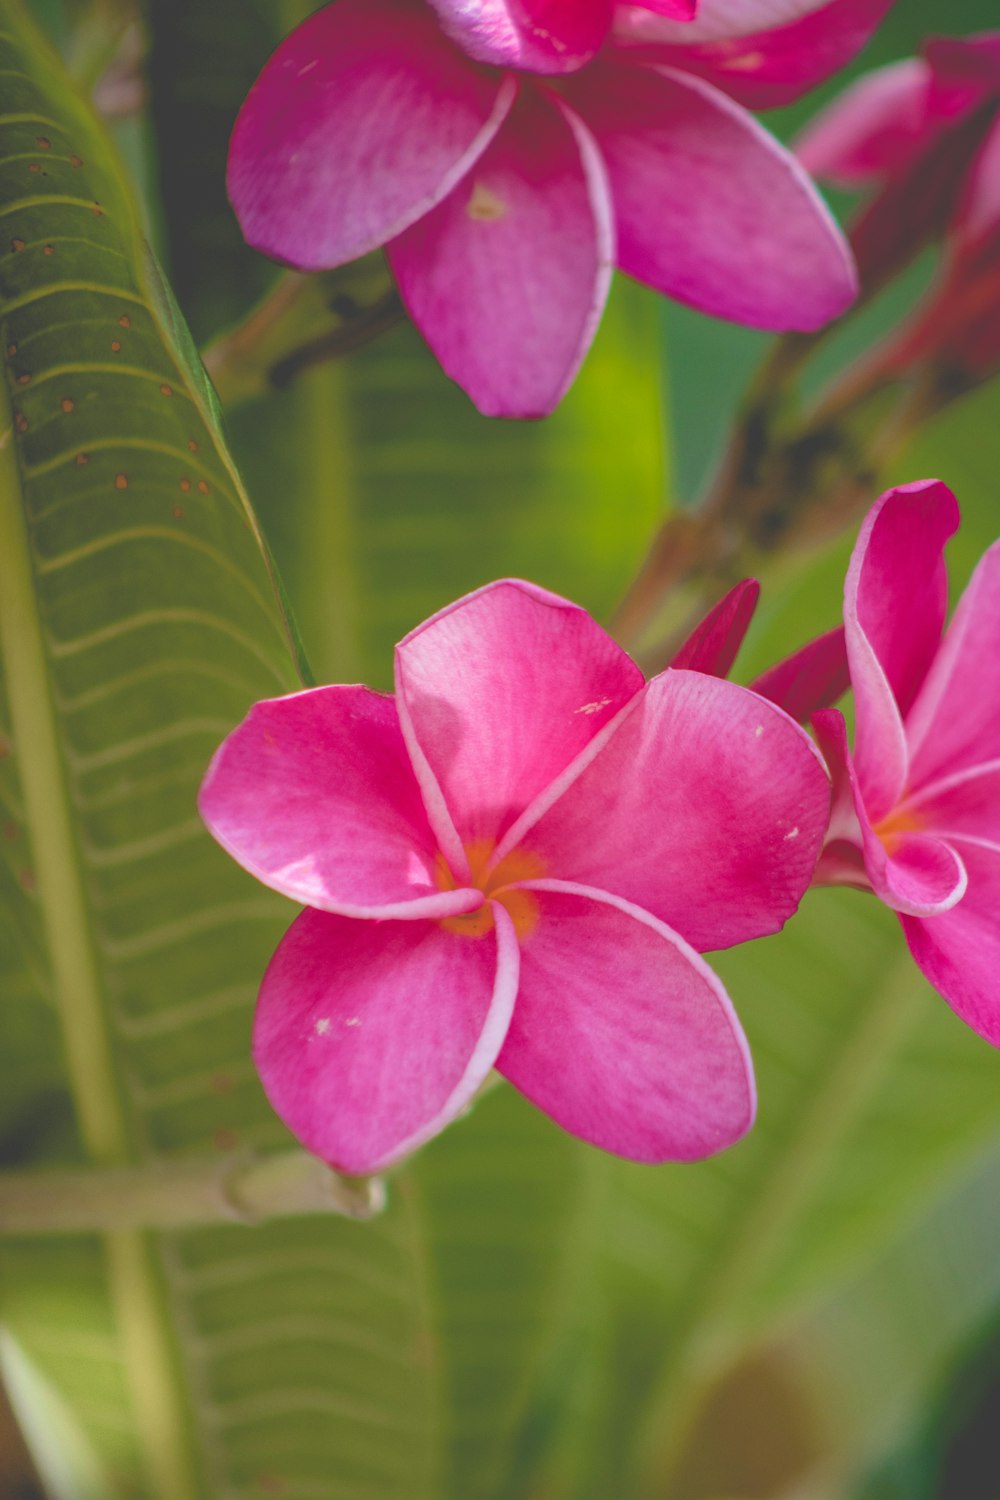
(181, 1195)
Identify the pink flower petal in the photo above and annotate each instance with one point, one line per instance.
(959, 952)
(965, 803)
(369, 1037)
(874, 127)
(711, 209)
(955, 722)
(842, 860)
(507, 278)
(810, 679)
(706, 807)
(714, 643)
(314, 794)
(623, 1034)
(717, 19)
(363, 119)
(895, 599)
(543, 36)
(500, 692)
(979, 208)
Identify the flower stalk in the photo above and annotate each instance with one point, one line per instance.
(238, 1189)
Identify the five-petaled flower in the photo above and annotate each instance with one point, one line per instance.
(916, 814)
(509, 153)
(515, 862)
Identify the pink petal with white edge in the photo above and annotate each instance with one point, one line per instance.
(955, 722)
(507, 278)
(314, 794)
(711, 209)
(500, 692)
(959, 952)
(542, 36)
(370, 1037)
(810, 679)
(895, 599)
(623, 1034)
(873, 128)
(912, 872)
(967, 803)
(363, 119)
(765, 68)
(714, 643)
(706, 807)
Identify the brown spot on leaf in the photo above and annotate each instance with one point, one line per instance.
(11, 350)
(116, 346)
(16, 245)
(24, 378)
(67, 403)
(20, 421)
(43, 143)
(192, 445)
(76, 161)
(203, 487)
(26, 878)
(185, 485)
(166, 390)
(178, 512)
(97, 211)
(125, 321)
(121, 481)
(34, 167)
(82, 458)
(48, 250)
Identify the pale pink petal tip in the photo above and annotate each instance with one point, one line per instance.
(540, 36)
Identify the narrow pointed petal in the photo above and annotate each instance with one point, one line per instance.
(507, 278)
(541, 36)
(315, 795)
(711, 209)
(714, 643)
(959, 952)
(623, 1034)
(842, 861)
(761, 55)
(810, 679)
(369, 1037)
(955, 722)
(363, 119)
(895, 599)
(706, 807)
(502, 691)
(874, 127)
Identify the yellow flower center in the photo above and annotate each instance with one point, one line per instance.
(894, 825)
(496, 885)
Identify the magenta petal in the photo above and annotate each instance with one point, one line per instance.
(955, 722)
(706, 807)
(894, 606)
(501, 691)
(711, 209)
(921, 875)
(717, 19)
(810, 679)
(873, 127)
(543, 36)
(507, 278)
(370, 1036)
(765, 68)
(623, 1034)
(362, 120)
(714, 643)
(315, 795)
(966, 803)
(959, 952)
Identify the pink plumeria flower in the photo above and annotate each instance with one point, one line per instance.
(910, 134)
(916, 812)
(507, 165)
(515, 863)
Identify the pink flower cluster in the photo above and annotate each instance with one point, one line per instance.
(517, 860)
(509, 153)
(922, 139)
